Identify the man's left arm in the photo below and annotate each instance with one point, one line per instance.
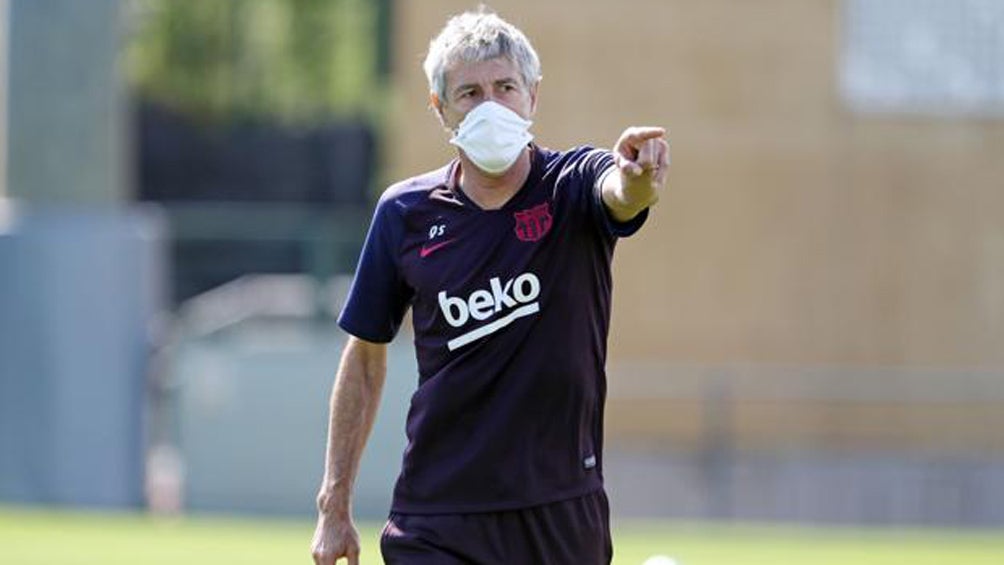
(641, 159)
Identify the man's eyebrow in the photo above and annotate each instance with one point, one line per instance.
(466, 86)
(502, 80)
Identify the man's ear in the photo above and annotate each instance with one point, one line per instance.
(437, 106)
(534, 88)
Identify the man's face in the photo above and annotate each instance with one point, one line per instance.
(469, 84)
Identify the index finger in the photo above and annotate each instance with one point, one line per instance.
(638, 135)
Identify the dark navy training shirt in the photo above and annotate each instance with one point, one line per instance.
(511, 309)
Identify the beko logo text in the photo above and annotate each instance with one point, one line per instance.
(518, 294)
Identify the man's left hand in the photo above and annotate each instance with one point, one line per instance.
(642, 157)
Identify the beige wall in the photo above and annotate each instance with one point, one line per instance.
(794, 231)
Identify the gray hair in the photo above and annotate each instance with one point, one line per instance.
(478, 36)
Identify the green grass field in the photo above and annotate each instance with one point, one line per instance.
(32, 537)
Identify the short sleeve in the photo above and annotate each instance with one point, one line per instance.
(378, 297)
(593, 167)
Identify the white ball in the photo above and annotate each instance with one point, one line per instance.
(660, 560)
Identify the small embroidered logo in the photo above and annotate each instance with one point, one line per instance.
(533, 223)
(427, 250)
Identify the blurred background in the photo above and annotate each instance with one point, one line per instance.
(809, 329)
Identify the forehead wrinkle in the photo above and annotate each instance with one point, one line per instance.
(494, 75)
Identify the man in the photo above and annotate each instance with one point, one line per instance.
(504, 257)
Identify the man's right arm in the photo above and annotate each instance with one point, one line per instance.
(354, 401)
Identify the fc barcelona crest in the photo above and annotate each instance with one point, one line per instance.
(533, 223)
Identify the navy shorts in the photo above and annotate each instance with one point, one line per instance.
(569, 532)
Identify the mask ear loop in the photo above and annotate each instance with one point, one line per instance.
(456, 131)
(436, 105)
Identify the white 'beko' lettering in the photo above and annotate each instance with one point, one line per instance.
(481, 305)
(517, 294)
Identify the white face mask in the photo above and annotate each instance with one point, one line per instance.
(492, 136)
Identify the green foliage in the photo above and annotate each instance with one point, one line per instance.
(294, 61)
